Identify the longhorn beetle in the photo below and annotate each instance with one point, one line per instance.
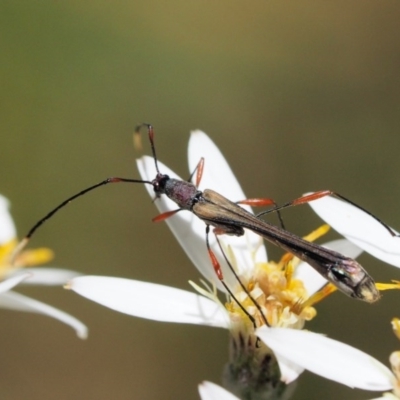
(227, 217)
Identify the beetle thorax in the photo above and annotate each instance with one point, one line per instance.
(181, 192)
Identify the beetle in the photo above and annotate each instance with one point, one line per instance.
(228, 217)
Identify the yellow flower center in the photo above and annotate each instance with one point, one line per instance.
(282, 299)
(26, 258)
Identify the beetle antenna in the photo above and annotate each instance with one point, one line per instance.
(150, 132)
(27, 237)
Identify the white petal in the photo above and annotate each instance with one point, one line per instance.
(313, 281)
(49, 276)
(328, 358)
(190, 231)
(289, 370)
(359, 228)
(211, 391)
(151, 301)
(18, 302)
(344, 247)
(9, 283)
(218, 176)
(7, 227)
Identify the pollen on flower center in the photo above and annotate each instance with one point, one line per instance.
(280, 297)
(274, 294)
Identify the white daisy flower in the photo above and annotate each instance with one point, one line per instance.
(394, 360)
(12, 274)
(281, 293)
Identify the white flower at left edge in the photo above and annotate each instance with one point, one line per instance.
(285, 291)
(211, 391)
(12, 274)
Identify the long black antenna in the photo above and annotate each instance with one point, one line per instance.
(27, 237)
(81, 193)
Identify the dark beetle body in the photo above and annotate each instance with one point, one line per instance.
(231, 219)
(216, 210)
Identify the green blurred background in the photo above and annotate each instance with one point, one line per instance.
(300, 96)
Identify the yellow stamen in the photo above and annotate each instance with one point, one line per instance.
(320, 295)
(5, 251)
(286, 258)
(388, 286)
(314, 235)
(35, 257)
(289, 270)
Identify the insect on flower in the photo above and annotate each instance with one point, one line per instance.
(227, 217)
